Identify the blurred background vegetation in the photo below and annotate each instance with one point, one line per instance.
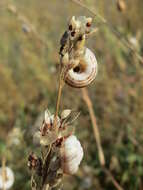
(28, 85)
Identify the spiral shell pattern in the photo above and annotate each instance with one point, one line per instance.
(71, 155)
(85, 76)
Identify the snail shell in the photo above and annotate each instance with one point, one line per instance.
(85, 73)
(71, 155)
(7, 184)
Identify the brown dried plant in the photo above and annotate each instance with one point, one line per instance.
(61, 151)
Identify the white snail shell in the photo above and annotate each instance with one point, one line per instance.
(83, 78)
(71, 155)
(7, 184)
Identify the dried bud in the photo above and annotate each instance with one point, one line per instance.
(47, 134)
(65, 113)
(121, 5)
(49, 119)
(59, 141)
(47, 116)
(49, 138)
(89, 22)
(48, 123)
(32, 161)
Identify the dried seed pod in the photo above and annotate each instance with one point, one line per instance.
(65, 113)
(71, 155)
(49, 120)
(9, 178)
(47, 134)
(49, 138)
(121, 5)
(83, 74)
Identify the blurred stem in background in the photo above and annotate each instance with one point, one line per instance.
(88, 102)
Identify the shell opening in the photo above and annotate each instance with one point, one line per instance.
(80, 68)
(85, 72)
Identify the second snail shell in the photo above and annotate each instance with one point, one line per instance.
(71, 155)
(86, 75)
(7, 184)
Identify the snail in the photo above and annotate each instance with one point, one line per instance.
(71, 155)
(9, 178)
(80, 60)
(84, 73)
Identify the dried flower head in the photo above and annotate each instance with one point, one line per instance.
(61, 150)
(80, 62)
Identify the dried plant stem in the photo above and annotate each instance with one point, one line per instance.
(46, 187)
(61, 84)
(94, 124)
(48, 156)
(112, 28)
(115, 183)
(88, 102)
(46, 164)
(23, 18)
(59, 96)
(3, 172)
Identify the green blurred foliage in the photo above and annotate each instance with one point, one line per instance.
(28, 85)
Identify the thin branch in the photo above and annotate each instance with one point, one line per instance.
(61, 84)
(88, 102)
(45, 167)
(111, 27)
(115, 183)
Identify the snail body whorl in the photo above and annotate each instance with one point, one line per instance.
(84, 76)
(71, 155)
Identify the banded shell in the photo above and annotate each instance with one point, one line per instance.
(71, 155)
(85, 73)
